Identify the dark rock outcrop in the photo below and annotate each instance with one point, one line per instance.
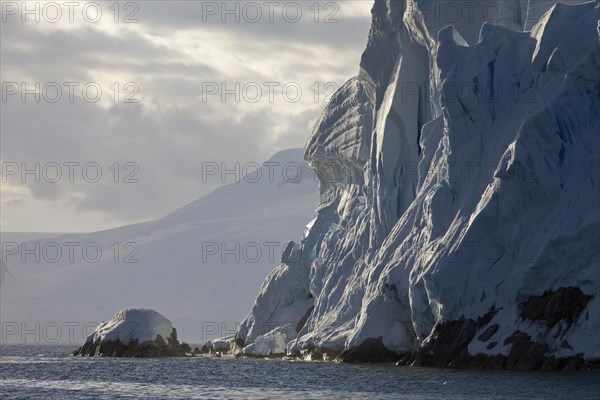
(304, 319)
(554, 306)
(152, 348)
(448, 346)
(488, 333)
(370, 351)
(524, 354)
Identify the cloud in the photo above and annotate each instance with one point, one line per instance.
(169, 57)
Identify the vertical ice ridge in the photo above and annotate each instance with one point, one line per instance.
(457, 162)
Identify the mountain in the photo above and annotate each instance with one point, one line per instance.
(459, 209)
(200, 265)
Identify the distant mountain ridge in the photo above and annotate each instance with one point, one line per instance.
(187, 265)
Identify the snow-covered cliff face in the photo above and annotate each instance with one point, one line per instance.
(459, 179)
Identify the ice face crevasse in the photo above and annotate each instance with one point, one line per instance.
(458, 182)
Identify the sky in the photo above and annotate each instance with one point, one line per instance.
(112, 113)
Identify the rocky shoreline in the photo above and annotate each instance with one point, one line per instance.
(526, 355)
(448, 346)
(531, 359)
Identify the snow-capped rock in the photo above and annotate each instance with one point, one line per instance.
(133, 324)
(459, 185)
(134, 332)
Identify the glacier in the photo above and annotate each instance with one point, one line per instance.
(459, 213)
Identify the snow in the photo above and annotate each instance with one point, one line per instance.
(462, 173)
(133, 324)
(223, 344)
(284, 298)
(206, 298)
(271, 343)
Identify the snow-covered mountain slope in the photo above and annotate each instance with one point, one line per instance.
(200, 266)
(459, 177)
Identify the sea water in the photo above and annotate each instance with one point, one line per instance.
(47, 372)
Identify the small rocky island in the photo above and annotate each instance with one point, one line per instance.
(135, 332)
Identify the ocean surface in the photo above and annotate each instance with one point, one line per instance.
(47, 372)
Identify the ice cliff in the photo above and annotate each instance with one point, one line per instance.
(459, 215)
